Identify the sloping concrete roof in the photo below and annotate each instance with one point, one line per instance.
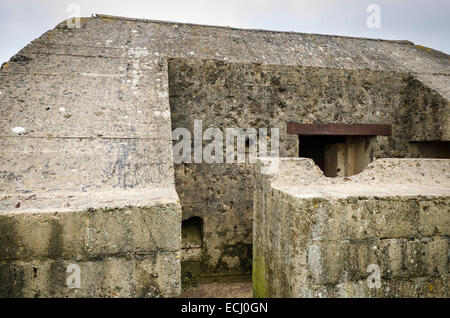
(245, 45)
(93, 101)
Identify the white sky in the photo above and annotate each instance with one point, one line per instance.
(425, 22)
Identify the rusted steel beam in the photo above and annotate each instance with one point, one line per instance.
(339, 129)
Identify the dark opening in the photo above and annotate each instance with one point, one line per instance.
(314, 147)
(191, 233)
(337, 156)
(430, 149)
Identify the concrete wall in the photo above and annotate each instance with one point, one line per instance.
(248, 95)
(96, 135)
(85, 111)
(116, 241)
(317, 237)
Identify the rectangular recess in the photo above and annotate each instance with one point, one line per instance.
(339, 129)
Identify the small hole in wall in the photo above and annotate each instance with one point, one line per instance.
(191, 233)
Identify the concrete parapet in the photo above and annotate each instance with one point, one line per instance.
(114, 239)
(329, 237)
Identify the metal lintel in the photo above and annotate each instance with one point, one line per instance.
(339, 129)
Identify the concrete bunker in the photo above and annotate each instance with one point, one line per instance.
(118, 180)
(358, 115)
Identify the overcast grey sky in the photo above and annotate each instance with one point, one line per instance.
(425, 22)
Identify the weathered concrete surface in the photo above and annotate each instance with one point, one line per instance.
(315, 236)
(117, 242)
(250, 95)
(79, 83)
(90, 109)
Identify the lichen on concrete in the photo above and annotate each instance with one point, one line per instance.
(320, 238)
(86, 118)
